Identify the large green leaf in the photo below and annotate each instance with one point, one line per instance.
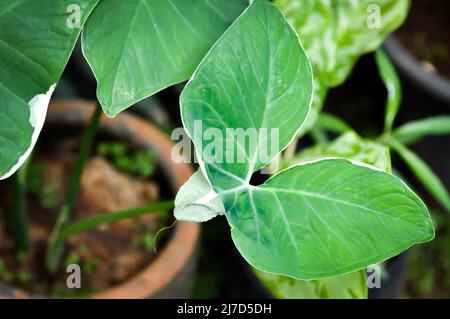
(310, 221)
(326, 218)
(350, 146)
(139, 47)
(349, 286)
(36, 40)
(335, 33)
(256, 76)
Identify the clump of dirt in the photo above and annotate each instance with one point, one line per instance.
(107, 255)
(425, 34)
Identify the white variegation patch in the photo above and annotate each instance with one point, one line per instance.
(197, 201)
(38, 111)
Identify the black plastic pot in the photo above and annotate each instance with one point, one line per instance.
(434, 86)
(425, 94)
(393, 286)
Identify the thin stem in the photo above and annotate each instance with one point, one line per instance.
(291, 149)
(318, 135)
(95, 221)
(55, 247)
(18, 218)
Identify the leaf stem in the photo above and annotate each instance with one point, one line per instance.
(289, 153)
(55, 247)
(318, 135)
(19, 225)
(95, 221)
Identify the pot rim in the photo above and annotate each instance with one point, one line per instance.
(181, 247)
(409, 66)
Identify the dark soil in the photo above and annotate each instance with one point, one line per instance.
(108, 255)
(426, 34)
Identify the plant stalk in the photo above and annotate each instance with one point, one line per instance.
(318, 135)
(95, 221)
(55, 247)
(18, 218)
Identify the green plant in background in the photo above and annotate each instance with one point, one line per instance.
(140, 163)
(349, 286)
(76, 256)
(310, 221)
(5, 274)
(46, 191)
(336, 33)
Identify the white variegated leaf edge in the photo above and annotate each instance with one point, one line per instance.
(38, 111)
(196, 200)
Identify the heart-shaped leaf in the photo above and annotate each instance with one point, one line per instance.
(36, 40)
(139, 47)
(326, 218)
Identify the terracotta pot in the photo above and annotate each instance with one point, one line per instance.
(170, 274)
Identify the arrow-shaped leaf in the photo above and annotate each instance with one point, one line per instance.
(326, 218)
